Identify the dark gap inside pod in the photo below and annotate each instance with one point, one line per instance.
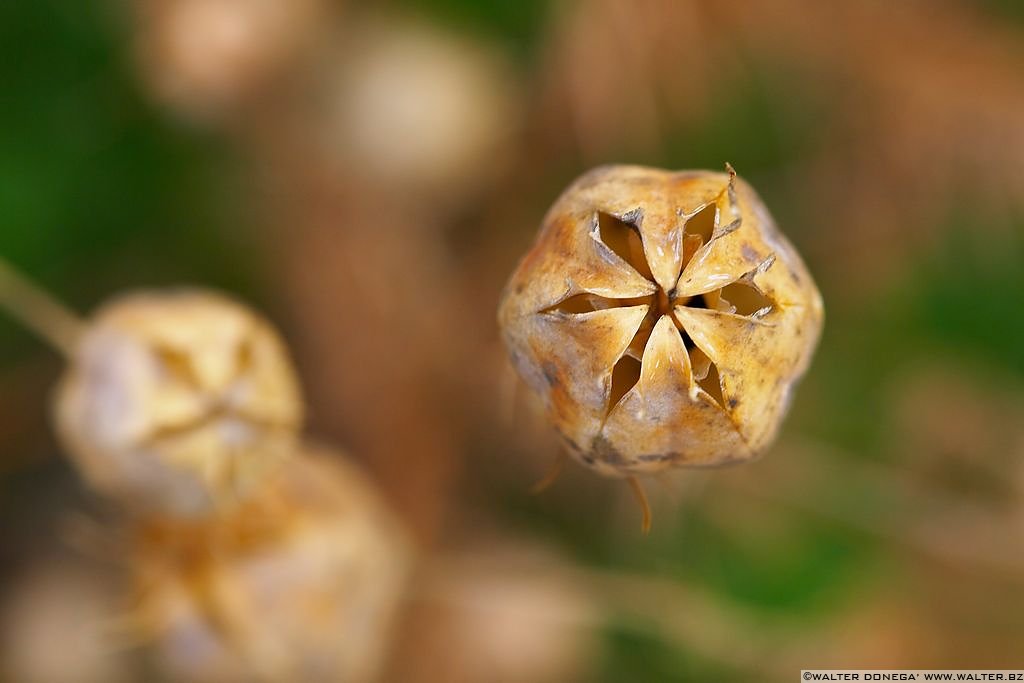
(178, 365)
(578, 303)
(625, 375)
(245, 356)
(702, 223)
(586, 302)
(746, 298)
(695, 302)
(624, 239)
(712, 384)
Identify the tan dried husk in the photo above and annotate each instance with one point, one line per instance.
(178, 401)
(671, 416)
(302, 582)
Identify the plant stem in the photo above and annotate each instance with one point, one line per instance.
(38, 311)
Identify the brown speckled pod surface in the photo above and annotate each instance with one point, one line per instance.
(178, 401)
(663, 318)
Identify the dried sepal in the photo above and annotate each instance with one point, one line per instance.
(663, 318)
(178, 401)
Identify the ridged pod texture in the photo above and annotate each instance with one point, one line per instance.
(178, 401)
(662, 318)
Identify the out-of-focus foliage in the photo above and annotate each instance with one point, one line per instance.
(96, 185)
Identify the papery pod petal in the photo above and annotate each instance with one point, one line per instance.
(662, 420)
(547, 275)
(574, 355)
(742, 250)
(757, 360)
(650, 198)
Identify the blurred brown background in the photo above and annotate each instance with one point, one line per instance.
(368, 174)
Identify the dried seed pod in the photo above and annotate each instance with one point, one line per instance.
(299, 583)
(178, 400)
(663, 319)
(53, 625)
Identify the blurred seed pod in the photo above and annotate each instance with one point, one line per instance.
(178, 401)
(52, 627)
(663, 318)
(509, 613)
(300, 583)
(205, 56)
(417, 110)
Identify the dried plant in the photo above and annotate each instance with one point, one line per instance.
(178, 400)
(663, 318)
(252, 557)
(301, 582)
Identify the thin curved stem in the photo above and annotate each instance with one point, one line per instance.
(38, 311)
(556, 469)
(641, 498)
